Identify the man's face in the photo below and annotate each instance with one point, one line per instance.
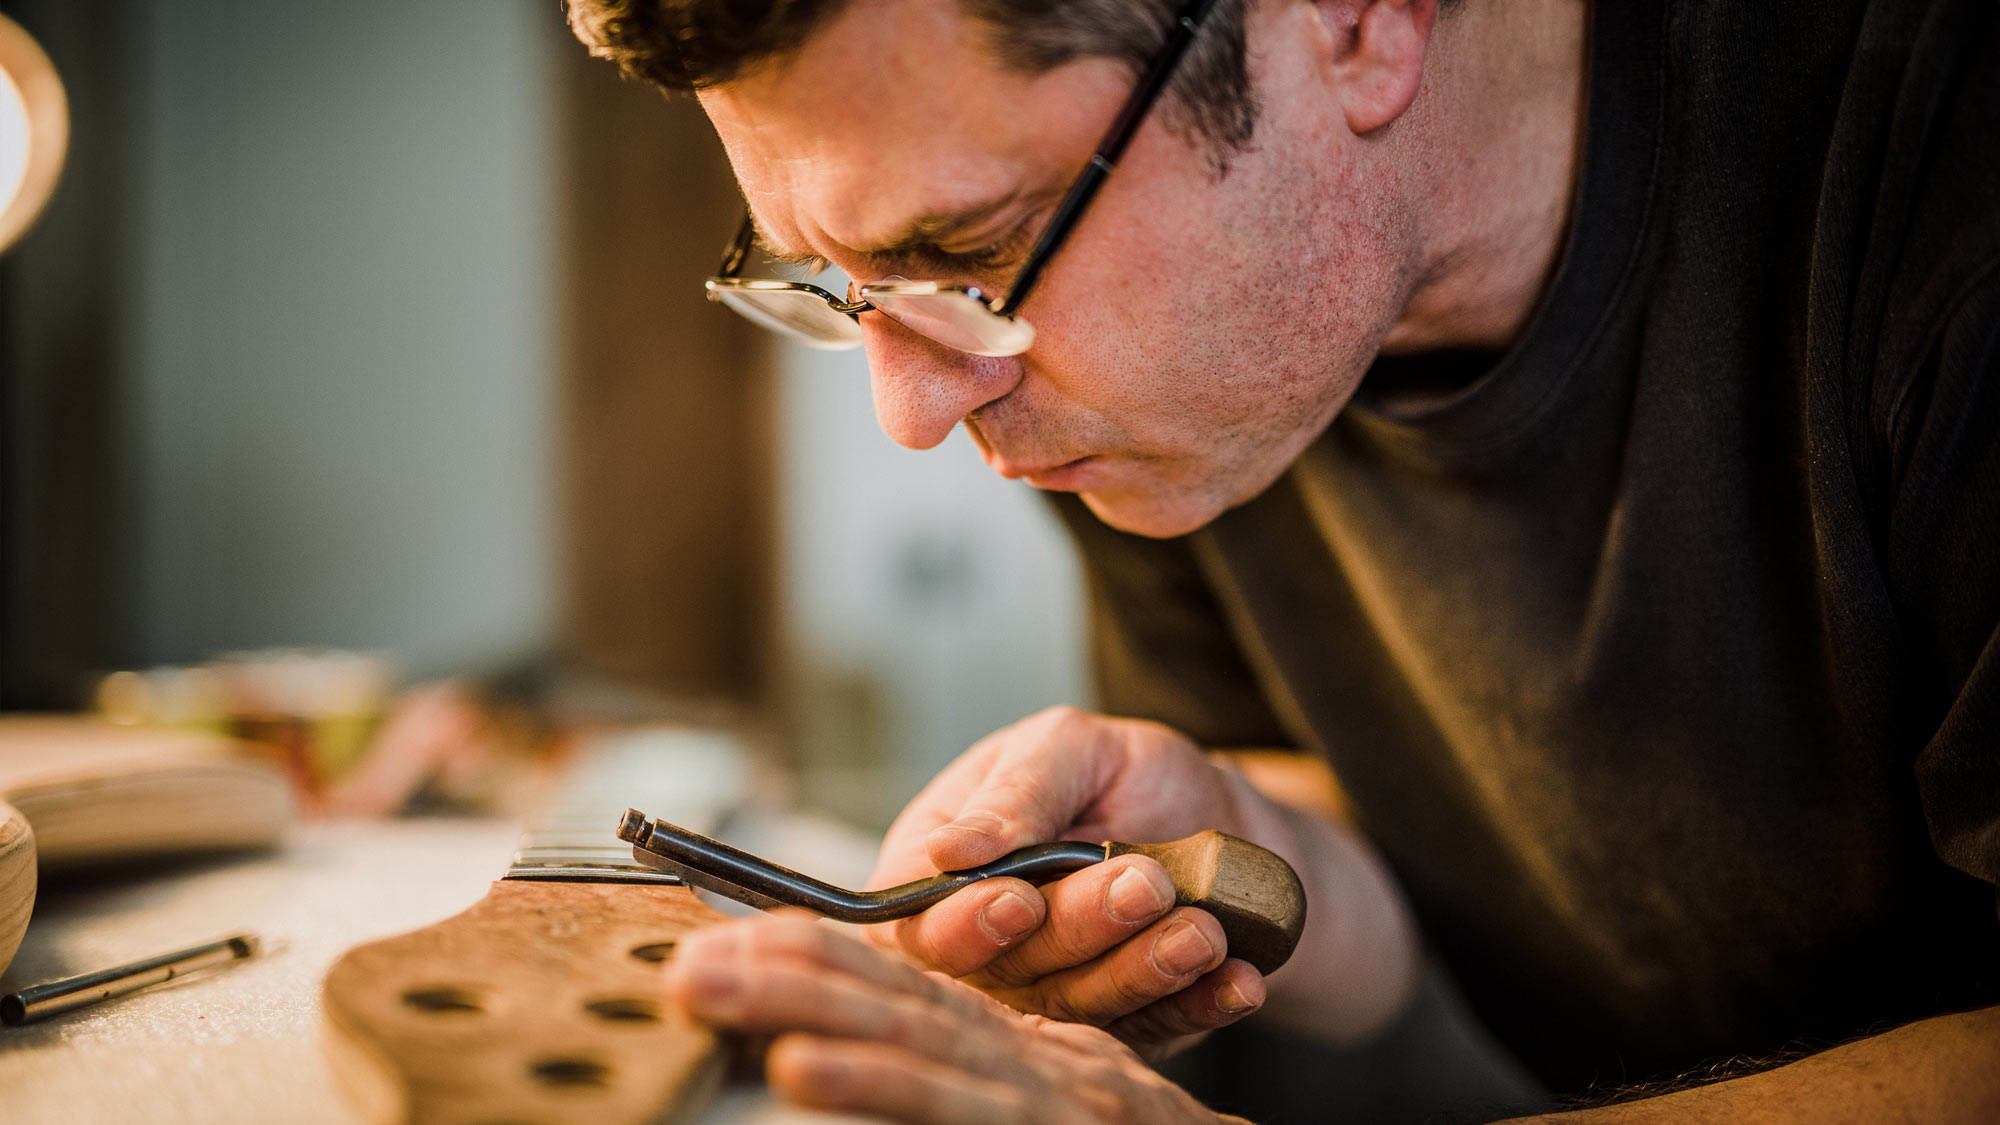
(1194, 334)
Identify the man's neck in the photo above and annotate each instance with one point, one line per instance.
(1503, 110)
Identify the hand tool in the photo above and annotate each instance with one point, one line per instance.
(1254, 894)
(44, 1000)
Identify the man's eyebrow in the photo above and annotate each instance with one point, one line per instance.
(787, 257)
(921, 237)
(924, 235)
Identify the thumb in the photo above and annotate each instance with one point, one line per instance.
(1054, 766)
(977, 836)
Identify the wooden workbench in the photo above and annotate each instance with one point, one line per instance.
(244, 1044)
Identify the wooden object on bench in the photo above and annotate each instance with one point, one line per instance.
(77, 790)
(540, 1003)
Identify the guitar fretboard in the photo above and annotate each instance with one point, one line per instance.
(700, 775)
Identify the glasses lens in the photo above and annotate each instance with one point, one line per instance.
(799, 313)
(953, 317)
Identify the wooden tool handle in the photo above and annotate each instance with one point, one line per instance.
(540, 1003)
(1252, 891)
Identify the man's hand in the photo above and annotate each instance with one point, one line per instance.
(859, 1030)
(1105, 946)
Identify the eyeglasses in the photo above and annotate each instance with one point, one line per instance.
(957, 316)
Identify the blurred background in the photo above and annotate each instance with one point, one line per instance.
(379, 326)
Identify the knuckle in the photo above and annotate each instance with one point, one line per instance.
(1099, 1001)
(947, 948)
(965, 1002)
(1105, 1091)
(917, 939)
(923, 940)
(787, 938)
(1064, 723)
(757, 993)
(1061, 715)
(1057, 1004)
(1006, 972)
(1126, 995)
(1162, 1022)
(907, 1022)
(1067, 946)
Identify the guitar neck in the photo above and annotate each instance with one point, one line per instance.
(573, 837)
(541, 1002)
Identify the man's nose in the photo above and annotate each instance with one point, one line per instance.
(923, 388)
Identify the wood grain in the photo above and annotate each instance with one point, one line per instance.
(17, 880)
(540, 1003)
(1252, 892)
(94, 791)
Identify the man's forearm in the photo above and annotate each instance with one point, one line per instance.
(1356, 964)
(1940, 1071)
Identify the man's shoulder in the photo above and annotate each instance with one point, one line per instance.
(1862, 136)
(1914, 169)
(1939, 190)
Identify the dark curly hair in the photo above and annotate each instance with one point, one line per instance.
(693, 44)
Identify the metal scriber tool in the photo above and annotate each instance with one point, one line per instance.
(44, 1000)
(1254, 894)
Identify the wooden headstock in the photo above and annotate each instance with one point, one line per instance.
(539, 1004)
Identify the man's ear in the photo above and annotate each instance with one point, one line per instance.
(1372, 53)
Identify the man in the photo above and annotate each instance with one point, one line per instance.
(1577, 425)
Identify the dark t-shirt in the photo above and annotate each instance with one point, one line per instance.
(1659, 657)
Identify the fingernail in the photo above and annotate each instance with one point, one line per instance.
(1230, 998)
(1181, 950)
(977, 823)
(1134, 897)
(1006, 918)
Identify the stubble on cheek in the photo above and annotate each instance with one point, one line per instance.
(1203, 397)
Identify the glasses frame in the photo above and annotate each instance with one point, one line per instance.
(1074, 202)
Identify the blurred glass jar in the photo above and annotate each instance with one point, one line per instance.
(312, 710)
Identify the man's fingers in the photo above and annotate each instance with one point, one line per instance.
(1051, 767)
(796, 936)
(1217, 999)
(969, 929)
(779, 976)
(884, 1080)
(1159, 961)
(775, 995)
(861, 1030)
(1087, 913)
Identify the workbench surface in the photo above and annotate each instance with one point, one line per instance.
(243, 1044)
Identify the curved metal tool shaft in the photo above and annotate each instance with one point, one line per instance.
(715, 866)
(1255, 896)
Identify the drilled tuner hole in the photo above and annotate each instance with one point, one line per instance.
(655, 952)
(571, 1072)
(444, 1000)
(625, 1009)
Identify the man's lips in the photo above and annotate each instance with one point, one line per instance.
(1042, 472)
(1045, 474)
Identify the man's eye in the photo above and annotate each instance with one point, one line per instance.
(991, 257)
